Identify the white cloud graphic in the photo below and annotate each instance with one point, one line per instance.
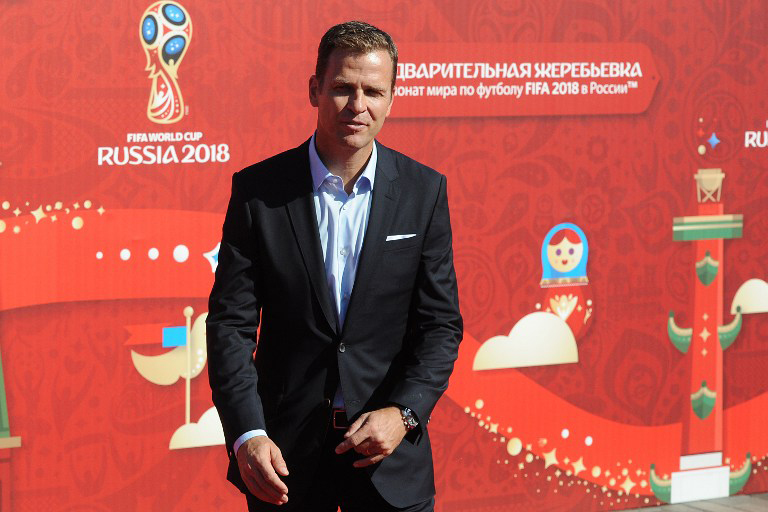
(752, 296)
(537, 339)
(206, 432)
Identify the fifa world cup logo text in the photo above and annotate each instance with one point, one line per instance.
(166, 31)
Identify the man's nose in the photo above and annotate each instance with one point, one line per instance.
(357, 102)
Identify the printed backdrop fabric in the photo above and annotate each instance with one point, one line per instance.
(575, 389)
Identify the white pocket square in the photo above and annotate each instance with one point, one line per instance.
(400, 237)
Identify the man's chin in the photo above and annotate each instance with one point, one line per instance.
(347, 143)
(356, 141)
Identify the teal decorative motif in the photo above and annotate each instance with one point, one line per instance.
(5, 429)
(707, 269)
(680, 338)
(703, 401)
(711, 227)
(727, 333)
(662, 488)
(738, 479)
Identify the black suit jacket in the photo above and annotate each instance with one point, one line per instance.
(397, 345)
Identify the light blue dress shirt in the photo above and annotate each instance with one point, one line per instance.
(341, 221)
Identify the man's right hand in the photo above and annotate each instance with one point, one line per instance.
(260, 461)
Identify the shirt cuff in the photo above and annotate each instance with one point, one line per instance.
(243, 438)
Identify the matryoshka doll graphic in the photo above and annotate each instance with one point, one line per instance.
(564, 256)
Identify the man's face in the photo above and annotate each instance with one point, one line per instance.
(352, 102)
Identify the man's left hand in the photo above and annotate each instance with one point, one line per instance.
(375, 435)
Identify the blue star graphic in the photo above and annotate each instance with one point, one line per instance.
(713, 140)
(213, 257)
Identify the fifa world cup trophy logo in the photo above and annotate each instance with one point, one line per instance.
(166, 31)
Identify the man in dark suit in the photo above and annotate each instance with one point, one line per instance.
(340, 251)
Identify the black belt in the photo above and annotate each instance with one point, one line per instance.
(339, 419)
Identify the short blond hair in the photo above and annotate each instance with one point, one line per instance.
(357, 37)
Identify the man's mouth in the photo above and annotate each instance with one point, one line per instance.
(354, 125)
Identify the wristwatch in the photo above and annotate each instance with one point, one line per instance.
(409, 419)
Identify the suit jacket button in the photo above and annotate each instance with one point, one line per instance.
(327, 402)
(342, 348)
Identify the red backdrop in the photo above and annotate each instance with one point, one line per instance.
(95, 433)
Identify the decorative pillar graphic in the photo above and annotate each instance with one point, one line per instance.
(702, 474)
(6, 443)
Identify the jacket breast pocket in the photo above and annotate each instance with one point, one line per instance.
(399, 264)
(402, 244)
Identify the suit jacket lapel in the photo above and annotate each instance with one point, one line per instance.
(301, 210)
(386, 192)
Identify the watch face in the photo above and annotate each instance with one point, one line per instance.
(409, 419)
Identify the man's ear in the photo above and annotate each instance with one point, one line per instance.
(314, 90)
(391, 100)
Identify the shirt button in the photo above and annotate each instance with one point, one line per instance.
(342, 347)
(344, 251)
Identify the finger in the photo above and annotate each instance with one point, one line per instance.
(365, 448)
(355, 426)
(278, 462)
(264, 492)
(270, 478)
(352, 441)
(251, 485)
(258, 490)
(368, 461)
(344, 446)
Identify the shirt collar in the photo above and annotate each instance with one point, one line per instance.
(320, 172)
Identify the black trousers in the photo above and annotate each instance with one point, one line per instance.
(337, 484)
